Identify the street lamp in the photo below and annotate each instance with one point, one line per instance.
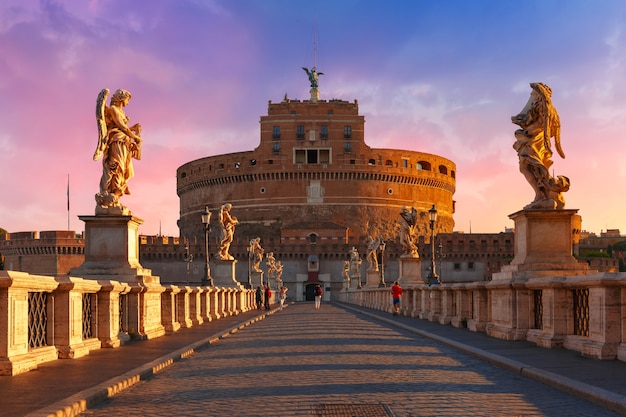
(206, 220)
(188, 257)
(432, 277)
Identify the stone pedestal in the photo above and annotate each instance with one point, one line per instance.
(315, 94)
(112, 253)
(355, 281)
(257, 279)
(410, 272)
(224, 274)
(112, 249)
(543, 250)
(543, 242)
(372, 279)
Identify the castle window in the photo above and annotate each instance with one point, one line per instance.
(276, 147)
(453, 174)
(443, 170)
(423, 165)
(329, 112)
(220, 166)
(311, 156)
(253, 162)
(324, 156)
(470, 265)
(300, 156)
(324, 132)
(389, 163)
(276, 132)
(371, 162)
(405, 163)
(347, 147)
(347, 132)
(300, 132)
(313, 238)
(353, 162)
(183, 174)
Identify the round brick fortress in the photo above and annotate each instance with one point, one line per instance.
(313, 172)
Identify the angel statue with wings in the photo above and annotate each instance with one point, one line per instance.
(118, 144)
(539, 123)
(313, 76)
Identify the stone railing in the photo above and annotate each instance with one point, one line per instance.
(44, 318)
(582, 313)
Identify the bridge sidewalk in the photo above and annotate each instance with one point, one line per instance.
(70, 384)
(602, 382)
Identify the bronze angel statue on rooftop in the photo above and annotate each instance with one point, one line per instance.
(313, 76)
(539, 122)
(118, 144)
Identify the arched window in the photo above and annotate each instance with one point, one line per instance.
(443, 170)
(423, 165)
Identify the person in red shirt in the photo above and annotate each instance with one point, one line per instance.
(396, 294)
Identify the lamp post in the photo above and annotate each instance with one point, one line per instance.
(188, 257)
(432, 277)
(206, 220)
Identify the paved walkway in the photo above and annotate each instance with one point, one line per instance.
(336, 361)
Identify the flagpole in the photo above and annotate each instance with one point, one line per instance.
(68, 202)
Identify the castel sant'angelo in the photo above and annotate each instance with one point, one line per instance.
(313, 179)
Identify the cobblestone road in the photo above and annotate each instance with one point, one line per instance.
(331, 362)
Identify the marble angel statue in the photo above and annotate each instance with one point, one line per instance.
(118, 144)
(539, 123)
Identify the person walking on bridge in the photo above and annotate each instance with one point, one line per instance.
(396, 295)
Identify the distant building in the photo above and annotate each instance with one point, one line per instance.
(44, 253)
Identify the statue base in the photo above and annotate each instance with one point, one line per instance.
(112, 250)
(257, 278)
(410, 272)
(112, 254)
(224, 274)
(373, 279)
(543, 246)
(315, 94)
(543, 251)
(355, 281)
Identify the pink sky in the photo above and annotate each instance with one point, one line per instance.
(442, 77)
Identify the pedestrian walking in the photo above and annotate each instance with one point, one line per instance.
(318, 296)
(268, 295)
(259, 298)
(396, 295)
(282, 296)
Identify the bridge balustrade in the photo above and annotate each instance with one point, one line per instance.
(44, 318)
(585, 313)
